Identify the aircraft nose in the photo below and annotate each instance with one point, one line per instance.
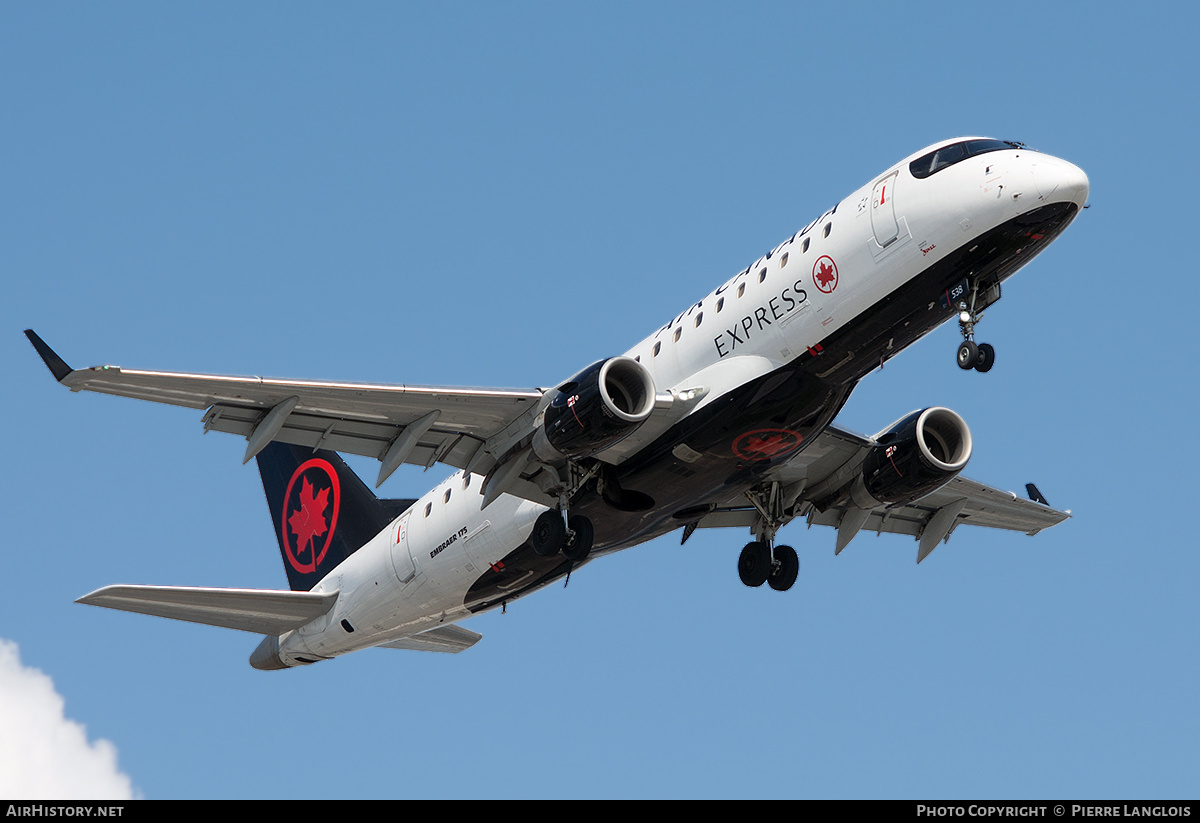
(1059, 181)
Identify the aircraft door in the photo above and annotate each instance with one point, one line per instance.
(883, 211)
(402, 560)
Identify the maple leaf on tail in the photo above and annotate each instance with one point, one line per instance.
(308, 522)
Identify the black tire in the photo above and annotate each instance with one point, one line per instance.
(754, 564)
(577, 549)
(986, 359)
(968, 355)
(785, 570)
(549, 534)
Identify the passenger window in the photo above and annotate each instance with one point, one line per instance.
(762, 275)
(804, 245)
(678, 332)
(446, 496)
(720, 304)
(699, 317)
(741, 289)
(828, 226)
(428, 508)
(657, 346)
(783, 261)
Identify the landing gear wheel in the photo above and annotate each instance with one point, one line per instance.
(784, 570)
(985, 358)
(549, 534)
(968, 355)
(578, 547)
(754, 564)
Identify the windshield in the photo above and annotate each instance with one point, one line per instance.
(937, 160)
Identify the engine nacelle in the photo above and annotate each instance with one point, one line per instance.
(595, 409)
(918, 455)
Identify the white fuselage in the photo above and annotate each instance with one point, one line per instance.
(414, 575)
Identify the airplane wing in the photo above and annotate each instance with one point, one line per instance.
(468, 428)
(836, 457)
(477, 429)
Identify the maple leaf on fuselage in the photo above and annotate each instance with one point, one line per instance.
(768, 445)
(308, 522)
(825, 275)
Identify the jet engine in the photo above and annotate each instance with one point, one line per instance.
(918, 455)
(595, 409)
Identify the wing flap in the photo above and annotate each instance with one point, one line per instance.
(347, 436)
(262, 611)
(985, 506)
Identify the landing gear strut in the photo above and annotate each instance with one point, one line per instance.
(971, 355)
(762, 561)
(579, 538)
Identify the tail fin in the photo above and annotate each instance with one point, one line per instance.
(322, 511)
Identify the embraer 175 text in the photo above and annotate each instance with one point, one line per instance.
(721, 418)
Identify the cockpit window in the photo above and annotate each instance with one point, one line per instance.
(935, 161)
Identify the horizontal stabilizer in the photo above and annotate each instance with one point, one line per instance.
(442, 639)
(263, 611)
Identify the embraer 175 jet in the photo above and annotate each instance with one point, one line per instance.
(721, 418)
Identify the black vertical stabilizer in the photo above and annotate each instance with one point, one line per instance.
(322, 511)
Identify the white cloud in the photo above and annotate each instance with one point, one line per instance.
(44, 755)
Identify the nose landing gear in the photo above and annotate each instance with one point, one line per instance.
(976, 356)
(972, 355)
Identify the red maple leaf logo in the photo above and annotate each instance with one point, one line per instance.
(825, 276)
(308, 522)
(768, 445)
(765, 444)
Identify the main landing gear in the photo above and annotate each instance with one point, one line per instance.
(762, 561)
(554, 532)
(759, 563)
(972, 355)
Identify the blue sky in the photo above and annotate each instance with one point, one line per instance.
(499, 194)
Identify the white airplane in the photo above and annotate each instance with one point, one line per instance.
(721, 418)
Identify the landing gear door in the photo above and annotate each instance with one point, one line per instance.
(883, 211)
(401, 559)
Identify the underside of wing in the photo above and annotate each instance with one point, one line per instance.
(808, 487)
(468, 428)
(983, 506)
(263, 611)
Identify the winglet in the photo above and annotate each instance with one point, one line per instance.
(1034, 494)
(58, 367)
